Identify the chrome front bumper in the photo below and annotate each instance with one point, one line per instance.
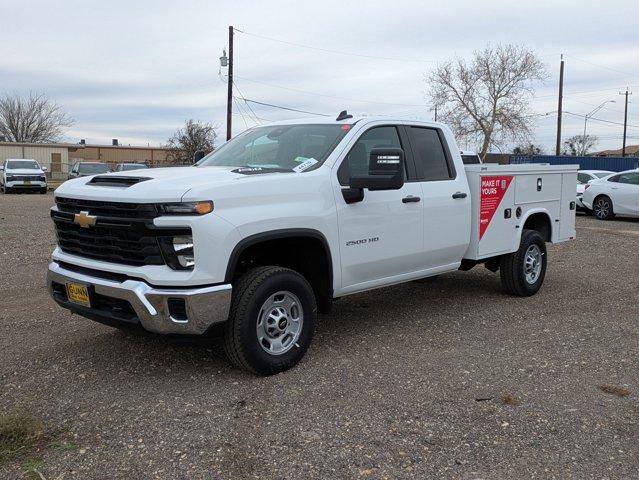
(204, 306)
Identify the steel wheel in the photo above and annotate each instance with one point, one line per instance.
(532, 264)
(279, 323)
(602, 208)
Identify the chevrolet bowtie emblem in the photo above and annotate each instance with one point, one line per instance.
(84, 219)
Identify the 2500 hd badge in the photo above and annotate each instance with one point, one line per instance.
(362, 241)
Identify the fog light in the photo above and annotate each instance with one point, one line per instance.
(183, 247)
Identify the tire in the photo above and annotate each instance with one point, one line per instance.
(43, 191)
(6, 190)
(523, 272)
(263, 343)
(602, 208)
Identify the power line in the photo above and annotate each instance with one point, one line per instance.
(600, 120)
(285, 108)
(634, 75)
(328, 96)
(328, 50)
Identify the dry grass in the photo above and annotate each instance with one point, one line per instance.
(19, 434)
(509, 399)
(614, 390)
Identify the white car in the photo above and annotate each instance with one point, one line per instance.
(616, 194)
(22, 174)
(583, 178)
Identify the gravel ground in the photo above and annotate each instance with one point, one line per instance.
(443, 379)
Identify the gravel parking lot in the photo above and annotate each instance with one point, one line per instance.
(443, 379)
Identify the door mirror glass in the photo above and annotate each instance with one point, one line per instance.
(44, 169)
(385, 170)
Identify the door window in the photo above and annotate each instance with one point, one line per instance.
(431, 160)
(583, 178)
(631, 178)
(356, 162)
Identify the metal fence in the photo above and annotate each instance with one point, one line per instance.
(613, 164)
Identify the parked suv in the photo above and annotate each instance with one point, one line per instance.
(84, 169)
(22, 174)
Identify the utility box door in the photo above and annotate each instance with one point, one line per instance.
(537, 188)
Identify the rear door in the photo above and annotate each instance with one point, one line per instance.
(445, 196)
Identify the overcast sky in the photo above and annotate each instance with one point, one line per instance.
(136, 70)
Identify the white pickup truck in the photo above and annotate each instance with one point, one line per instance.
(281, 220)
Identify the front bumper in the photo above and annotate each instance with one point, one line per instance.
(190, 311)
(22, 184)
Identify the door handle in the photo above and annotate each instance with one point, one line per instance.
(411, 199)
(457, 195)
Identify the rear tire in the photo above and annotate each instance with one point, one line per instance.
(602, 208)
(271, 322)
(523, 272)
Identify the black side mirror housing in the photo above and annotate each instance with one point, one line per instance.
(385, 171)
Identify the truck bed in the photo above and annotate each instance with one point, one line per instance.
(503, 197)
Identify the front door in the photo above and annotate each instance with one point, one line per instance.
(625, 193)
(381, 236)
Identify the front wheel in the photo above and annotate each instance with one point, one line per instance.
(602, 208)
(522, 272)
(271, 321)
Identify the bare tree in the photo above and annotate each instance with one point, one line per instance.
(488, 96)
(187, 141)
(528, 149)
(34, 119)
(579, 145)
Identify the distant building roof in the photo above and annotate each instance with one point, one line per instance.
(631, 151)
(76, 145)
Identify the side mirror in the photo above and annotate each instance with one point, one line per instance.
(385, 171)
(199, 155)
(44, 169)
(1, 168)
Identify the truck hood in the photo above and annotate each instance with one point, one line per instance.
(155, 185)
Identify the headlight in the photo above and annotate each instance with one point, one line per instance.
(187, 208)
(183, 248)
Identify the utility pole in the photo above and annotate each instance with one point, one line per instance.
(559, 106)
(625, 121)
(229, 97)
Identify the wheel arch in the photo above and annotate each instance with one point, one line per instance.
(320, 278)
(540, 221)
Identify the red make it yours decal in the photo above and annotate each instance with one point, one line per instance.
(492, 191)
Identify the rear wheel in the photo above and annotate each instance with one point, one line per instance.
(602, 208)
(271, 322)
(523, 272)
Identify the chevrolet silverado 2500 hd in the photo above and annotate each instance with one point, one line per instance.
(282, 219)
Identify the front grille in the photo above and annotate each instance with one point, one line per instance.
(108, 209)
(22, 178)
(110, 244)
(123, 232)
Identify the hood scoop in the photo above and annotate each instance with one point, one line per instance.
(114, 181)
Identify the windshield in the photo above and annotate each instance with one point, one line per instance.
(131, 167)
(93, 168)
(26, 164)
(281, 147)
